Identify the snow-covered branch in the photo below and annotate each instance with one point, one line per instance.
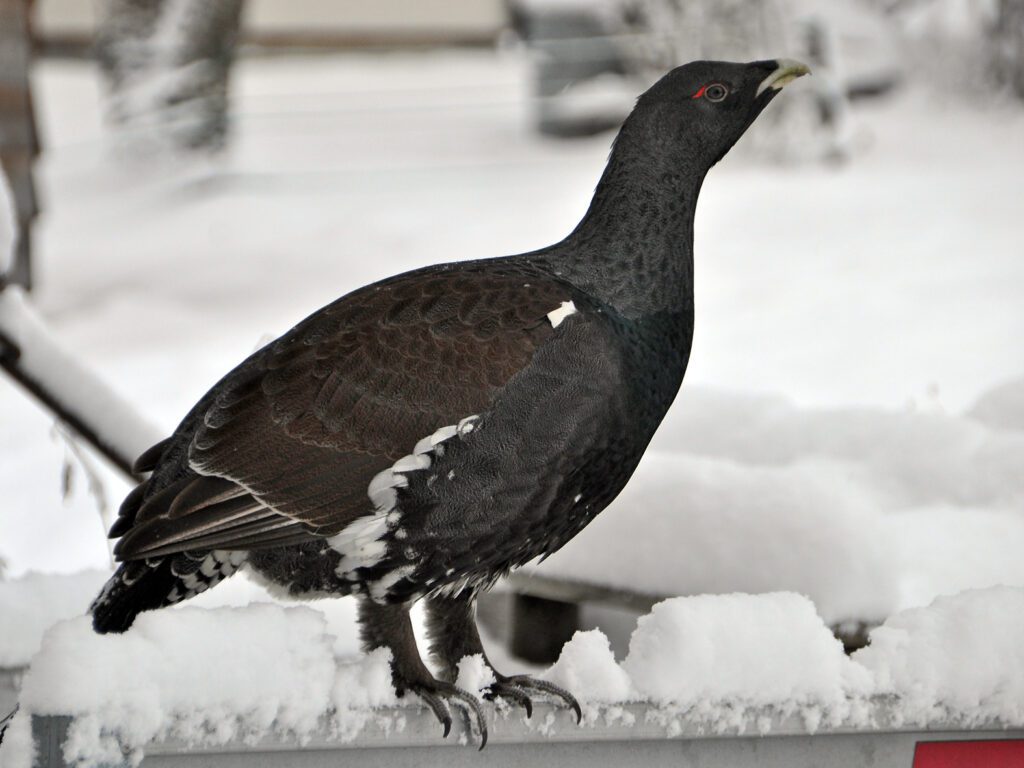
(75, 395)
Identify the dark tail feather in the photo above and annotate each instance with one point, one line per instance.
(143, 585)
(135, 587)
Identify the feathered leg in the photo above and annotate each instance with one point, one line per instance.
(451, 622)
(389, 626)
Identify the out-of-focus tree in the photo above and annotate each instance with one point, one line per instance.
(594, 56)
(968, 43)
(1008, 45)
(19, 142)
(167, 63)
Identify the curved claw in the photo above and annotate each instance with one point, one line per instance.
(525, 682)
(437, 705)
(517, 695)
(472, 703)
(436, 694)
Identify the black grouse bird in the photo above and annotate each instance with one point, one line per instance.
(420, 437)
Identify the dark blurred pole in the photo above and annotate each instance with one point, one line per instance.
(1008, 45)
(540, 627)
(166, 63)
(19, 143)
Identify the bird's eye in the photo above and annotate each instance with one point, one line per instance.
(715, 92)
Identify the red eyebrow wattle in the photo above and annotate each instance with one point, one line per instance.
(699, 93)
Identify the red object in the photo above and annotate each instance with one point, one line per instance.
(699, 93)
(969, 754)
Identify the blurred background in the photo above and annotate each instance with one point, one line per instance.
(191, 178)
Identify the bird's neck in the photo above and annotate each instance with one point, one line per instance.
(634, 247)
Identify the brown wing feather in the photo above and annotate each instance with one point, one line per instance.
(300, 428)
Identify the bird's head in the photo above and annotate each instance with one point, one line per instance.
(696, 112)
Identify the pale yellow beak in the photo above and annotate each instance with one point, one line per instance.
(788, 71)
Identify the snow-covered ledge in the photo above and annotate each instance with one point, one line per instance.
(729, 679)
(630, 735)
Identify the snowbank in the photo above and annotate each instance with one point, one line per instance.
(717, 660)
(722, 662)
(865, 511)
(911, 457)
(961, 657)
(34, 602)
(209, 676)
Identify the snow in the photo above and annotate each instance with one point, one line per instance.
(587, 668)
(44, 359)
(718, 661)
(754, 651)
(866, 511)
(8, 225)
(204, 680)
(959, 657)
(32, 603)
(474, 675)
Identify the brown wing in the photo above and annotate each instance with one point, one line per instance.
(286, 445)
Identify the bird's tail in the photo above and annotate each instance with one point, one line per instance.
(144, 585)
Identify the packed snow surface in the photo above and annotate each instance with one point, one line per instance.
(722, 661)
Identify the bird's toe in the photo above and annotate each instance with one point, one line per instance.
(437, 706)
(437, 695)
(513, 693)
(525, 683)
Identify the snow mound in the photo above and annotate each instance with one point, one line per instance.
(722, 662)
(752, 650)
(717, 659)
(34, 602)
(203, 676)
(865, 511)
(962, 658)
(587, 668)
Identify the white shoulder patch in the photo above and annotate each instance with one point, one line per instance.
(362, 543)
(556, 316)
